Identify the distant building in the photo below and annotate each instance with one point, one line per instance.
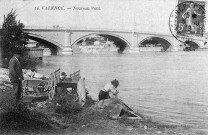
(31, 44)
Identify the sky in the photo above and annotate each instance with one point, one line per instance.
(139, 15)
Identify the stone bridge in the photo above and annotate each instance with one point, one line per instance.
(64, 39)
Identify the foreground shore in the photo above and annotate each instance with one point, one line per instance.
(42, 118)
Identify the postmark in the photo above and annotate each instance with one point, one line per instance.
(187, 20)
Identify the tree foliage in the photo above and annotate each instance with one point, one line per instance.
(13, 37)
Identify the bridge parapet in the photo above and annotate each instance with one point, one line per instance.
(59, 28)
(74, 28)
(93, 29)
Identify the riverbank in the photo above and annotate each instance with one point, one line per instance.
(88, 120)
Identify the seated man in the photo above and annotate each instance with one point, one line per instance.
(60, 89)
(63, 76)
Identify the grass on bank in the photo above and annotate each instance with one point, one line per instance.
(24, 119)
(87, 120)
(20, 118)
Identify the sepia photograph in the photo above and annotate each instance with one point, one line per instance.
(103, 67)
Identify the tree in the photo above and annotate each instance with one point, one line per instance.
(13, 37)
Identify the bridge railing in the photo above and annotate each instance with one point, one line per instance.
(74, 28)
(57, 27)
(93, 29)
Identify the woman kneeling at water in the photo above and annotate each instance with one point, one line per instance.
(109, 87)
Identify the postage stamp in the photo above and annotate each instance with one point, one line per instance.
(187, 20)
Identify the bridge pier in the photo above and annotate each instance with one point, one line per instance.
(67, 49)
(134, 48)
(174, 46)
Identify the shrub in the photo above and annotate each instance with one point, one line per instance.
(66, 105)
(89, 102)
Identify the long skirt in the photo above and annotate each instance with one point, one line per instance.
(103, 95)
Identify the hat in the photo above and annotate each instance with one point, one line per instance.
(63, 74)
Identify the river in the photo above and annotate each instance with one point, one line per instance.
(168, 87)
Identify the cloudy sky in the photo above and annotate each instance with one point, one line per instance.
(142, 15)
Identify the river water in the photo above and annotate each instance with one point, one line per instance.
(168, 87)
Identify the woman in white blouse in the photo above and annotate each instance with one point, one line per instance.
(110, 87)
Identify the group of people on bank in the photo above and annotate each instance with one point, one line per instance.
(16, 78)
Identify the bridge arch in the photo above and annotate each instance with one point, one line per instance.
(36, 36)
(52, 45)
(110, 34)
(121, 40)
(191, 45)
(196, 43)
(165, 43)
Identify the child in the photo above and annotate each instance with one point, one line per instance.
(109, 87)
